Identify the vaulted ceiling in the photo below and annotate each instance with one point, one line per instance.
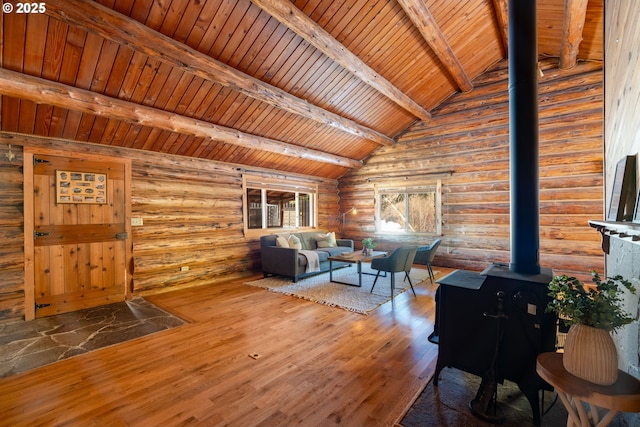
(310, 87)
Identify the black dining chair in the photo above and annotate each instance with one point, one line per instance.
(425, 255)
(400, 260)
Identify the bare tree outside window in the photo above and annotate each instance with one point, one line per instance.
(422, 213)
(408, 210)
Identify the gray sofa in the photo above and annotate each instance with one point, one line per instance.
(289, 263)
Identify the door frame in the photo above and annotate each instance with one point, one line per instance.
(29, 225)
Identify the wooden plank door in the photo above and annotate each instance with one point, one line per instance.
(79, 232)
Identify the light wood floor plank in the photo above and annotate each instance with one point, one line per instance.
(318, 366)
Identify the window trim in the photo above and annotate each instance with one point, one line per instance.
(380, 189)
(278, 184)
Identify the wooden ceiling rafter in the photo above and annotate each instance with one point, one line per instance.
(252, 74)
(501, 8)
(419, 14)
(125, 31)
(41, 91)
(575, 13)
(292, 17)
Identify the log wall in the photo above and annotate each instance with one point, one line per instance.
(466, 144)
(191, 211)
(11, 234)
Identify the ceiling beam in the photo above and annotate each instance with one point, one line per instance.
(501, 8)
(289, 15)
(575, 12)
(422, 18)
(121, 29)
(40, 91)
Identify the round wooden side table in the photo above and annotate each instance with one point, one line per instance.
(589, 404)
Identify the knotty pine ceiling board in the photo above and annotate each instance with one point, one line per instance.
(376, 31)
(260, 44)
(471, 30)
(233, 108)
(264, 31)
(412, 63)
(13, 46)
(112, 68)
(285, 54)
(550, 22)
(94, 49)
(592, 45)
(35, 41)
(321, 11)
(367, 94)
(241, 35)
(337, 80)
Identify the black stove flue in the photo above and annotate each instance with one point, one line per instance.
(523, 137)
(493, 324)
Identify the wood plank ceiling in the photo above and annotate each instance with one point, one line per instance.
(310, 87)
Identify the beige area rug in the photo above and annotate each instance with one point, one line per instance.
(360, 300)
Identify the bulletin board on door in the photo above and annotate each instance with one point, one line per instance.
(81, 187)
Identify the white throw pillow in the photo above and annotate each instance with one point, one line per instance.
(326, 240)
(294, 242)
(281, 242)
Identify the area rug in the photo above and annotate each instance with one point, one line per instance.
(448, 405)
(319, 289)
(26, 345)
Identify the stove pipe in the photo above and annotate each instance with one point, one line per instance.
(523, 137)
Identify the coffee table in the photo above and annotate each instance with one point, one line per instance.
(354, 258)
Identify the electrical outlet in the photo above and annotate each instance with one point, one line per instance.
(136, 222)
(184, 268)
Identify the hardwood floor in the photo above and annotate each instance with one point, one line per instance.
(316, 366)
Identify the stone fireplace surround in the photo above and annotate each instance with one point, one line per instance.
(624, 259)
(621, 246)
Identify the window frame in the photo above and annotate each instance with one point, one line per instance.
(290, 185)
(435, 186)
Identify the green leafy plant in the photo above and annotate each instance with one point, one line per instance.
(596, 305)
(369, 243)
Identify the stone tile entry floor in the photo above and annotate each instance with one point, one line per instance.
(26, 345)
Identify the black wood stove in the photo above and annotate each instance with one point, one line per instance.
(493, 324)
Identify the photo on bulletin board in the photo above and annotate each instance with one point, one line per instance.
(624, 191)
(81, 187)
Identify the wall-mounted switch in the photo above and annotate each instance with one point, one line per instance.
(136, 222)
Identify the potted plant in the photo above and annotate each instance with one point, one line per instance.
(368, 245)
(593, 312)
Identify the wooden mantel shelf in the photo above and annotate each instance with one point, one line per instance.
(623, 230)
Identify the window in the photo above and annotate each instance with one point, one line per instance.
(278, 205)
(409, 209)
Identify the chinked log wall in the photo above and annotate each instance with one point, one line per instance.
(11, 235)
(469, 137)
(191, 209)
